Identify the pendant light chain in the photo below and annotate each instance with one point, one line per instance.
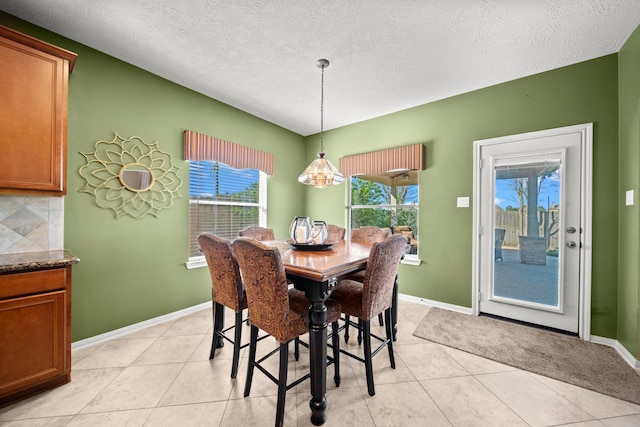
(322, 110)
(321, 173)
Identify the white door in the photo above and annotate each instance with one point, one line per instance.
(531, 217)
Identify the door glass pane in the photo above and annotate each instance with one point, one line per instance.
(526, 225)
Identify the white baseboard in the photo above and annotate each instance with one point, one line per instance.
(622, 351)
(117, 333)
(432, 303)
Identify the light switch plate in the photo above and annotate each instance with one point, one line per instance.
(629, 198)
(463, 202)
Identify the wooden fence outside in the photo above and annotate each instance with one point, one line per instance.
(515, 224)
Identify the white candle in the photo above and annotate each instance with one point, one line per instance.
(300, 235)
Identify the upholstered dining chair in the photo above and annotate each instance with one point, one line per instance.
(227, 290)
(335, 232)
(279, 311)
(257, 232)
(366, 300)
(367, 234)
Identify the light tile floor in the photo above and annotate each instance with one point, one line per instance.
(162, 376)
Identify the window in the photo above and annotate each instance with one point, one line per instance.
(383, 191)
(388, 200)
(223, 200)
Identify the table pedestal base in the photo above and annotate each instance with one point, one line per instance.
(317, 293)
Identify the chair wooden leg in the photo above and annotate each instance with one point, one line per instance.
(380, 319)
(335, 341)
(389, 328)
(282, 383)
(346, 327)
(368, 365)
(253, 343)
(296, 349)
(394, 309)
(360, 331)
(237, 341)
(218, 325)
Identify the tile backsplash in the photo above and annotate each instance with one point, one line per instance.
(31, 224)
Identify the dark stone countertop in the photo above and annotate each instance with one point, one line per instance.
(29, 261)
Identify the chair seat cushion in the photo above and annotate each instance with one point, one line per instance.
(299, 314)
(349, 294)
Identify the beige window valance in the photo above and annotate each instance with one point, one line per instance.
(198, 146)
(410, 157)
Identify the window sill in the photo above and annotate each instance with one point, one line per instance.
(411, 261)
(196, 263)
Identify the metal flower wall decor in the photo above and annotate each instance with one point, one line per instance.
(130, 177)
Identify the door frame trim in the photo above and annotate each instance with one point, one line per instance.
(586, 205)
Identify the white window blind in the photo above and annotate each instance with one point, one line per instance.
(223, 200)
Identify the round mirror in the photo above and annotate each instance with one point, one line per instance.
(136, 177)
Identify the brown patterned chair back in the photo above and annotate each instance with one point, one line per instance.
(266, 285)
(369, 234)
(335, 232)
(224, 270)
(380, 275)
(258, 233)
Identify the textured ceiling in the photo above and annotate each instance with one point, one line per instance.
(260, 55)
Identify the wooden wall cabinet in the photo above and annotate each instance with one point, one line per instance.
(35, 332)
(33, 115)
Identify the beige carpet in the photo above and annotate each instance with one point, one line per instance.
(569, 359)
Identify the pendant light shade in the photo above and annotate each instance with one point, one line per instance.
(321, 173)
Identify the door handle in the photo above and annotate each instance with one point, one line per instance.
(571, 245)
(571, 230)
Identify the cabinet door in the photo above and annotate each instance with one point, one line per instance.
(33, 120)
(32, 342)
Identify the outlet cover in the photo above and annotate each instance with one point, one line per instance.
(463, 202)
(629, 198)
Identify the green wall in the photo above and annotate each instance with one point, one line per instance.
(628, 276)
(132, 270)
(581, 93)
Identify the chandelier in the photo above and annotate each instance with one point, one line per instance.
(321, 173)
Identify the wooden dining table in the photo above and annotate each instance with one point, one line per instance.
(316, 272)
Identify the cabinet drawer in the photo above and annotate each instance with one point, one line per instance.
(16, 284)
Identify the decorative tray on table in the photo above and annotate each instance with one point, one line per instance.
(311, 246)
